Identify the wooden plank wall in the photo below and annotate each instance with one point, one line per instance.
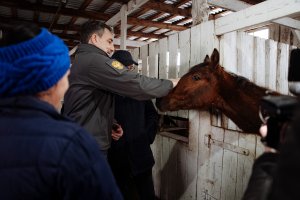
(200, 170)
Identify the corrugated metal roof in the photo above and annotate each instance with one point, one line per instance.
(25, 14)
(162, 17)
(109, 7)
(80, 20)
(5, 11)
(96, 5)
(55, 3)
(45, 17)
(63, 19)
(147, 14)
(138, 28)
(75, 4)
(150, 29)
(114, 8)
(174, 19)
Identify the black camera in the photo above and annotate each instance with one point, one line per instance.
(279, 110)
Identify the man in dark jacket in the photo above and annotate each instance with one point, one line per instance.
(44, 156)
(95, 77)
(131, 158)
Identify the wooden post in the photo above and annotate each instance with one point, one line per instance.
(200, 11)
(123, 27)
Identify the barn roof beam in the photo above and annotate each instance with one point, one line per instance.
(77, 27)
(257, 15)
(237, 5)
(87, 14)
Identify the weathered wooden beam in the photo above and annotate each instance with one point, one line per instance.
(87, 14)
(257, 15)
(169, 8)
(52, 9)
(180, 3)
(123, 41)
(237, 5)
(77, 28)
(131, 7)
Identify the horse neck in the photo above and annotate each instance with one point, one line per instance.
(239, 100)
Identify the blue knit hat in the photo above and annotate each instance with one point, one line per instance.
(32, 66)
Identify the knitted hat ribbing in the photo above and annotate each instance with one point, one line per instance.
(32, 66)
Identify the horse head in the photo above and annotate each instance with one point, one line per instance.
(208, 85)
(198, 89)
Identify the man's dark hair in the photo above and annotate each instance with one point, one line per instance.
(91, 27)
(16, 32)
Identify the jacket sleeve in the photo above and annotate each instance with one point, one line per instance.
(103, 75)
(84, 174)
(151, 120)
(262, 176)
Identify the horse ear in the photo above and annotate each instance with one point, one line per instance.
(206, 59)
(215, 58)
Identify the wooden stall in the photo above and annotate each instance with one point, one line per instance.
(215, 160)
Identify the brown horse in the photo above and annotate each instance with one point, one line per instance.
(208, 85)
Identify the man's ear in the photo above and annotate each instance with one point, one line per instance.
(93, 39)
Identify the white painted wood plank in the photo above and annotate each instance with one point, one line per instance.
(259, 61)
(195, 46)
(117, 41)
(282, 68)
(153, 59)
(203, 153)
(245, 54)
(181, 183)
(165, 168)
(257, 15)
(144, 57)
(245, 163)
(136, 56)
(163, 48)
(229, 176)
(234, 5)
(214, 182)
(228, 54)
(260, 148)
(123, 12)
(173, 54)
(289, 22)
(157, 153)
(172, 170)
(192, 156)
(172, 68)
(184, 38)
(271, 64)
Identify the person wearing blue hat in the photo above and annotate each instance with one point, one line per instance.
(43, 154)
(130, 157)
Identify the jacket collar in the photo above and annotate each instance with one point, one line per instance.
(29, 102)
(90, 48)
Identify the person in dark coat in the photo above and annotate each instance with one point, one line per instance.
(276, 173)
(130, 157)
(44, 156)
(95, 78)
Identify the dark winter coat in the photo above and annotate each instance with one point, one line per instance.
(44, 155)
(139, 121)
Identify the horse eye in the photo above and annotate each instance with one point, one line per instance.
(196, 77)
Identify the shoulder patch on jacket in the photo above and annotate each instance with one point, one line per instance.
(116, 65)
